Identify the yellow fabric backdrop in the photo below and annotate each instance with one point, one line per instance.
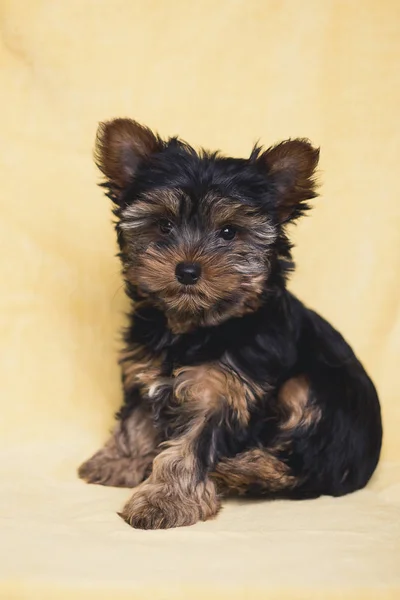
(221, 73)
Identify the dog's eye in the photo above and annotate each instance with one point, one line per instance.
(165, 225)
(227, 233)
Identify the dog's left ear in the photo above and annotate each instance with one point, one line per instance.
(290, 166)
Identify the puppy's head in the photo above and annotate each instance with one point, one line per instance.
(201, 234)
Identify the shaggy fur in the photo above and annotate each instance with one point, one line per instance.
(231, 385)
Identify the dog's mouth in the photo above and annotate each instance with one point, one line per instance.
(213, 299)
(188, 290)
(189, 307)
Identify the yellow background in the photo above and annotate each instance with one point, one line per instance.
(222, 74)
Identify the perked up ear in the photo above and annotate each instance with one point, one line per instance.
(291, 168)
(121, 145)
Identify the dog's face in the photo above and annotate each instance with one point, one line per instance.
(198, 232)
(201, 258)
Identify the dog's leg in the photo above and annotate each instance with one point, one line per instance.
(262, 470)
(257, 470)
(209, 400)
(127, 456)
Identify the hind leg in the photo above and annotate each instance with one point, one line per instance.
(127, 457)
(263, 470)
(255, 470)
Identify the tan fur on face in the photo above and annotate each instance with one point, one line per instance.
(127, 456)
(232, 275)
(229, 211)
(151, 206)
(295, 404)
(255, 467)
(156, 271)
(166, 203)
(187, 307)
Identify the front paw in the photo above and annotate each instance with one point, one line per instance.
(153, 507)
(156, 506)
(104, 469)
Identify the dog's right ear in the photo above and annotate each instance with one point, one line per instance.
(121, 145)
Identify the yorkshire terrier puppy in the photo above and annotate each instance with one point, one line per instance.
(231, 385)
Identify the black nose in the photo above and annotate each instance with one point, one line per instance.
(187, 273)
